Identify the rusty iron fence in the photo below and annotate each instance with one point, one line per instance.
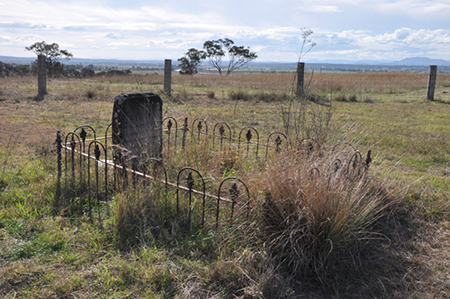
(97, 169)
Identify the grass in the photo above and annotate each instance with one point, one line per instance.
(386, 253)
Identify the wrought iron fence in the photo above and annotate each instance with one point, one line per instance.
(99, 169)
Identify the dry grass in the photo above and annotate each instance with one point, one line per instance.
(313, 206)
(43, 257)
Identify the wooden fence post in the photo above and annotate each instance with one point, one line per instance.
(431, 82)
(167, 76)
(300, 78)
(42, 78)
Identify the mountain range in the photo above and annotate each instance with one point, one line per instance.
(411, 61)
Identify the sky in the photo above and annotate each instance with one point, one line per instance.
(151, 30)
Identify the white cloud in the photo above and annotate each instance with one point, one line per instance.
(402, 34)
(114, 36)
(118, 44)
(321, 8)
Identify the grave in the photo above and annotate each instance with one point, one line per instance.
(137, 124)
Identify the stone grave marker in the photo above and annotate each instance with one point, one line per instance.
(137, 124)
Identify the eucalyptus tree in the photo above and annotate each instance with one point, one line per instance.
(238, 56)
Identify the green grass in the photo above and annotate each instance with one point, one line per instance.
(42, 256)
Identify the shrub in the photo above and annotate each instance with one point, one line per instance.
(341, 98)
(90, 94)
(210, 94)
(353, 98)
(270, 96)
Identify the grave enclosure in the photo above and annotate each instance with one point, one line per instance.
(134, 153)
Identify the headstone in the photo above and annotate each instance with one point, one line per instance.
(137, 124)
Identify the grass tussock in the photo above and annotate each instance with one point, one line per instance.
(310, 211)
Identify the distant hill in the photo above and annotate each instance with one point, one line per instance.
(20, 60)
(421, 61)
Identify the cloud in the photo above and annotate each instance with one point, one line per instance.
(22, 26)
(77, 28)
(118, 44)
(402, 34)
(321, 8)
(5, 39)
(114, 36)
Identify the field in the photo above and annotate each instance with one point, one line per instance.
(403, 253)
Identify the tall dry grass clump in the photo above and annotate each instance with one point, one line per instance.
(313, 207)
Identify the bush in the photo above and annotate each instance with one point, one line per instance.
(90, 94)
(270, 96)
(341, 98)
(210, 94)
(353, 98)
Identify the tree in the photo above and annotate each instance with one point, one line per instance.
(191, 60)
(238, 56)
(52, 54)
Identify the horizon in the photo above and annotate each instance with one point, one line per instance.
(409, 61)
(136, 30)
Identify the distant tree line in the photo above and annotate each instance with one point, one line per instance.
(58, 70)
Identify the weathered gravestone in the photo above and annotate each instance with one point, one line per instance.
(137, 124)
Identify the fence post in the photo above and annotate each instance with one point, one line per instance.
(167, 76)
(58, 177)
(431, 82)
(300, 78)
(42, 78)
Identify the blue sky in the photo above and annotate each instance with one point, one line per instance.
(134, 29)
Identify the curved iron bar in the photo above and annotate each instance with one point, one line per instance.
(97, 153)
(278, 141)
(106, 134)
(199, 127)
(335, 165)
(170, 122)
(161, 166)
(59, 171)
(354, 162)
(83, 134)
(221, 133)
(311, 172)
(184, 129)
(122, 157)
(72, 144)
(345, 144)
(190, 181)
(234, 195)
(249, 136)
(310, 146)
